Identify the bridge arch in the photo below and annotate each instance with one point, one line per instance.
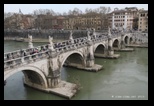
(28, 72)
(116, 43)
(130, 40)
(126, 39)
(77, 57)
(100, 48)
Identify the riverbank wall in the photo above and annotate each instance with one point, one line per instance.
(43, 34)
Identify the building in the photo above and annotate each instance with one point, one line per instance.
(143, 20)
(49, 22)
(122, 18)
(83, 21)
(57, 22)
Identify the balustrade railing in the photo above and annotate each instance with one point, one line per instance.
(37, 56)
(24, 60)
(62, 47)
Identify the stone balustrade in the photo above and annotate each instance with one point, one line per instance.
(24, 60)
(30, 58)
(18, 59)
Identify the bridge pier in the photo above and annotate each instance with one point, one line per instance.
(55, 84)
(123, 46)
(110, 52)
(53, 79)
(64, 89)
(139, 43)
(90, 60)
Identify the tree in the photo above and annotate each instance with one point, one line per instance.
(103, 12)
(76, 11)
(6, 15)
(43, 18)
(64, 13)
(70, 12)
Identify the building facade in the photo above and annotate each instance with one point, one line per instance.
(122, 18)
(83, 22)
(143, 21)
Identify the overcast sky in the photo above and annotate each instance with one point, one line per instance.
(29, 8)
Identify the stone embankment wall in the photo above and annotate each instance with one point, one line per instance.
(56, 34)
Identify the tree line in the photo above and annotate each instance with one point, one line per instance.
(102, 11)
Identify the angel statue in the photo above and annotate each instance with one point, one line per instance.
(51, 40)
(88, 35)
(71, 37)
(30, 44)
(51, 43)
(109, 31)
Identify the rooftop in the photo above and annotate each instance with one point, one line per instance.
(143, 11)
(131, 8)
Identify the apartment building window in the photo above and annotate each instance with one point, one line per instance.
(142, 15)
(131, 19)
(140, 22)
(140, 26)
(146, 26)
(123, 16)
(141, 19)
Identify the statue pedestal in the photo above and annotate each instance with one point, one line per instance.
(30, 45)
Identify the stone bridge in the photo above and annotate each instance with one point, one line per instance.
(42, 70)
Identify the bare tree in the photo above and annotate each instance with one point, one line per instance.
(76, 11)
(43, 18)
(70, 12)
(65, 14)
(9, 14)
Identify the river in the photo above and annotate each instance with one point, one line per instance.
(125, 78)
